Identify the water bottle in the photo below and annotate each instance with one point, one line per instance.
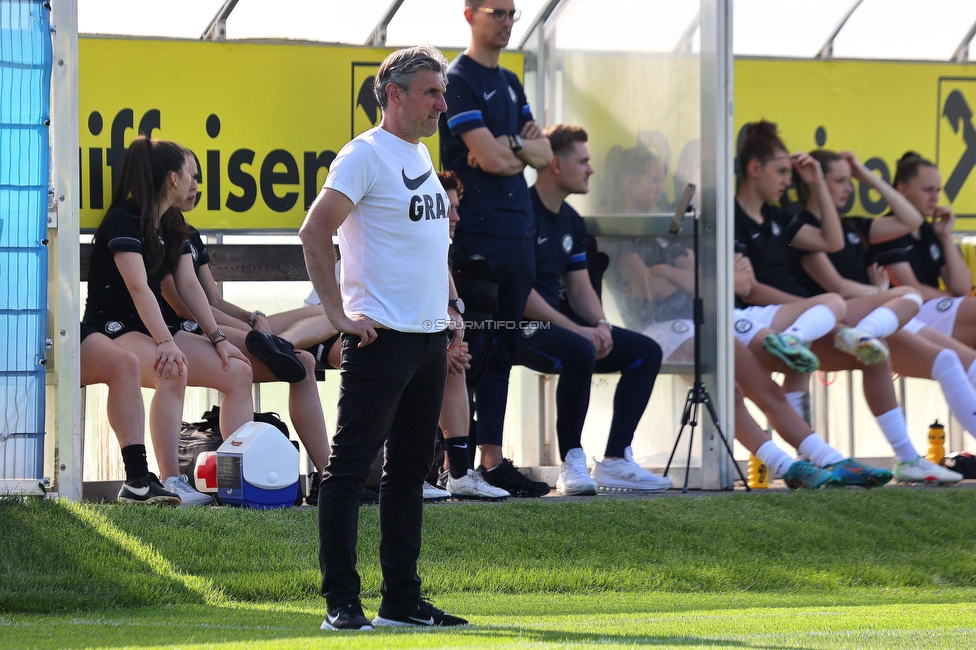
(936, 443)
(758, 473)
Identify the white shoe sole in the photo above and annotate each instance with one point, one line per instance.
(614, 488)
(579, 492)
(325, 626)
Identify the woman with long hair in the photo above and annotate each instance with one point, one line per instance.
(140, 240)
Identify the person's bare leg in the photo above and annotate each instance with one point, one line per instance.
(281, 321)
(894, 299)
(166, 408)
(965, 327)
(967, 355)
(205, 368)
(790, 311)
(755, 383)
(309, 331)
(104, 362)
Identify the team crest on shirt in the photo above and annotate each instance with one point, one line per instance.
(853, 238)
(113, 326)
(529, 329)
(935, 252)
(567, 243)
(742, 325)
(944, 305)
(680, 327)
(189, 325)
(775, 229)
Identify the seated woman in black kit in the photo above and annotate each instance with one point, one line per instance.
(928, 254)
(271, 358)
(141, 240)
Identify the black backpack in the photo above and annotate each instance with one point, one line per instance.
(198, 437)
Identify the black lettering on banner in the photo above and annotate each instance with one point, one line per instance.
(313, 164)
(270, 178)
(441, 210)
(116, 152)
(95, 165)
(241, 179)
(199, 177)
(429, 206)
(416, 211)
(213, 179)
(149, 122)
(960, 117)
(864, 190)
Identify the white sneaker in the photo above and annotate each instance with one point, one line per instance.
(866, 349)
(624, 475)
(473, 486)
(432, 493)
(922, 470)
(573, 479)
(180, 486)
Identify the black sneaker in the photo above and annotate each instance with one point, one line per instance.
(147, 491)
(425, 614)
(277, 354)
(312, 498)
(507, 477)
(346, 617)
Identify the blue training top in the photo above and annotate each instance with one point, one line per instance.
(560, 246)
(496, 206)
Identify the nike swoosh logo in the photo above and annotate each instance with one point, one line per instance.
(755, 235)
(465, 446)
(490, 95)
(414, 183)
(541, 240)
(422, 621)
(139, 492)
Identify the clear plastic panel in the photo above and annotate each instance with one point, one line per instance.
(172, 18)
(905, 29)
(797, 28)
(441, 23)
(328, 21)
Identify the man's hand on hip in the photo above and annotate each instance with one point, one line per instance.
(359, 325)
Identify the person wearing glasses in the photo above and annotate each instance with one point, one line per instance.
(488, 138)
(398, 312)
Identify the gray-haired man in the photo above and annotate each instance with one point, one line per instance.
(393, 312)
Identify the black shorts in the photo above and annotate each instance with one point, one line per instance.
(321, 352)
(114, 328)
(87, 331)
(190, 326)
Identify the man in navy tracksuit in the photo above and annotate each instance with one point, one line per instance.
(574, 339)
(488, 137)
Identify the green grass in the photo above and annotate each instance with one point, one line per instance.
(891, 567)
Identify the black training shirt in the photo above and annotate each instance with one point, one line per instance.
(767, 245)
(924, 255)
(198, 251)
(851, 261)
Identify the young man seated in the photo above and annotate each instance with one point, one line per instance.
(574, 339)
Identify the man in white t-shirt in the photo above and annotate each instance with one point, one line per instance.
(398, 312)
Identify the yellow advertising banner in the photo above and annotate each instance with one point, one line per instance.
(264, 120)
(878, 109)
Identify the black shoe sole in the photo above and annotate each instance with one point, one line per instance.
(283, 364)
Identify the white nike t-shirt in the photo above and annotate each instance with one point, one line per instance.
(393, 245)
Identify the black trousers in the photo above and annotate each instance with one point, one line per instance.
(559, 351)
(390, 392)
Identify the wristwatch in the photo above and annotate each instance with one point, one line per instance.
(216, 336)
(254, 316)
(458, 305)
(515, 142)
(603, 321)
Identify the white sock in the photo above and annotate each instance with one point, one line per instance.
(777, 460)
(895, 430)
(971, 373)
(879, 323)
(798, 400)
(813, 323)
(959, 393)
(818, 451)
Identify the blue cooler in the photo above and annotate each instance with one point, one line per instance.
(257, 467)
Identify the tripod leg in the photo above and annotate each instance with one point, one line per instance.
(684, 421)
(725, 441)
(691, 442)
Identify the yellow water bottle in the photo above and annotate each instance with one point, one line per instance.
(758, 473)
(936, 443)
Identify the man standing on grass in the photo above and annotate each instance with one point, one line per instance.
(393, 313)
(578, 340)
(488, 137)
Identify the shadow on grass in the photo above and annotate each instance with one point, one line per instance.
(88, 563)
